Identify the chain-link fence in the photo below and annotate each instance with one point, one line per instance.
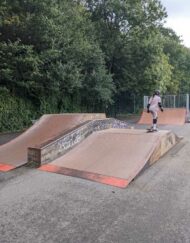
(172, 101)
(126, 104)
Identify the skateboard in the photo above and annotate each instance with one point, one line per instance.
(150, 130)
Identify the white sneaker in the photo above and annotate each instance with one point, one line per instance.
(155, 129)
(152, 130)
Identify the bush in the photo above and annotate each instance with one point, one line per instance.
(15, 113)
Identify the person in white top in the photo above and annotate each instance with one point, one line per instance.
(153, 106)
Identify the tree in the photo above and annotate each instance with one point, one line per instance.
(59, 38)
(179, 57)
(129, 36)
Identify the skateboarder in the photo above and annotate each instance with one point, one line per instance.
(153, 106)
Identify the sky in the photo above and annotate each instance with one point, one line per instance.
(179, 18)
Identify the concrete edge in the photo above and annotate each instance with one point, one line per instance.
(165, 143)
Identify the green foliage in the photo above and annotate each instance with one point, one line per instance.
(15, 113)
(19, 69)
(49, 55)
(129, 35)
(179, 59)
(84, 56)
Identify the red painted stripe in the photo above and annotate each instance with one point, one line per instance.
(109, 180)
(6, 167)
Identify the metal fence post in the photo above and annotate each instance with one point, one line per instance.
(134, 110)
(145, 102)
(187, 103)
(174, 102)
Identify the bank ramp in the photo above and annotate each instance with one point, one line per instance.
(113, 156)
(14, 153)
(170, 116)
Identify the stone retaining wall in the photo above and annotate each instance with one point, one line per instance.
(59, 146)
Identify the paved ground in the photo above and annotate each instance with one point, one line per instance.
(36, 206)
(6, 137)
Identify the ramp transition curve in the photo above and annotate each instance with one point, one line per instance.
(113, 156)
(14, 153)
(174, 116)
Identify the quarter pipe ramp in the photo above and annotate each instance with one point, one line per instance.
(174, 116)
(14, 153)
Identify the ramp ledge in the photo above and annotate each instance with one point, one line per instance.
(50, 151)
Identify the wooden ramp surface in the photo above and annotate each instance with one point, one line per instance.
(174, 116)
(113, 156)
(14, 153)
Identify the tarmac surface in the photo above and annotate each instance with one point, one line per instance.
(6, 137)
(37, 206)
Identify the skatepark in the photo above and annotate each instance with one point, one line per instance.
(93, 160)
(90, 146)
(94, 121)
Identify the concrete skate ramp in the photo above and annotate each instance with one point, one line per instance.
(14, 153)
(113, 156)
(174, 116)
